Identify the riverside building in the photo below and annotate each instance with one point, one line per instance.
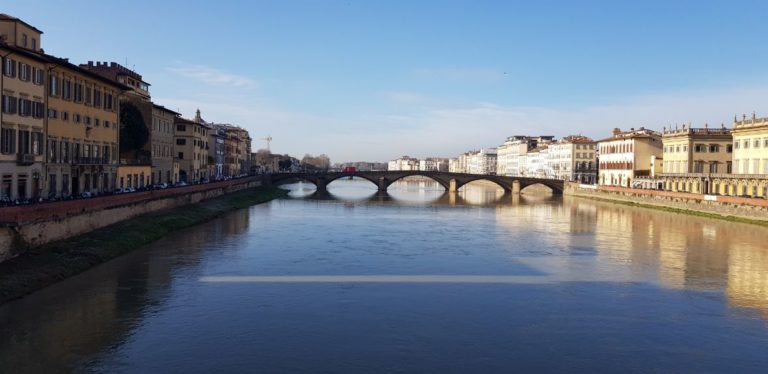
(191, 138)
(574, 158)
(22, 129)
(627, 155)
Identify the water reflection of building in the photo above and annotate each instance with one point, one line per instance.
(88, 315)
(748, 276)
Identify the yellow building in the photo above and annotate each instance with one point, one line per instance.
(697, 150)
(82, 130)
(627, 155)
(22, 117)
(191, 147)
(750, 146)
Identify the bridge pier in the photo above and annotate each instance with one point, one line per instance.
(383, 184)
(515, 187)
(322, 185)
(452, 186)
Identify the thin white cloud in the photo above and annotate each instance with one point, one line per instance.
(448, 130)
(212, 76)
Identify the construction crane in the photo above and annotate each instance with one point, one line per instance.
(269, 140)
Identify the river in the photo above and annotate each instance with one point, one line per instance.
(416, 280)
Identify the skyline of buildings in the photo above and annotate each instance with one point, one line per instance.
(70, 130)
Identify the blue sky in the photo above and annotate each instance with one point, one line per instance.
(373, 80)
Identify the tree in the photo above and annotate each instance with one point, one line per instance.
(134, 133)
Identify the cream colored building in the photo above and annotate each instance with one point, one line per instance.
(697, 150)
(191, 138)
(574, 158)
(512, 152)
(750, 146)
(22, 83)
(627, 155)
(404, 163)
(82, 131)
(482, 161)
(165, 168)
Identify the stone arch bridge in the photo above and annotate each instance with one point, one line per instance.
(450, 181)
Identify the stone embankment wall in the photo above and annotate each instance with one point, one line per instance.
(24, 227)
(726, 206)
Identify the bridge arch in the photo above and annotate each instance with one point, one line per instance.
(444, 183)
(461, 182)
(551, 185)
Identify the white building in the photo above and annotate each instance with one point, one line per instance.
(404, 163)
(574, 158)
(535, 164)
(433, 164)
(512, 152)
(627, 155)
(482, 161)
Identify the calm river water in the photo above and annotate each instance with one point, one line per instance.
(414, 281)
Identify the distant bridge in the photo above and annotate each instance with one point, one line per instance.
(450, 181)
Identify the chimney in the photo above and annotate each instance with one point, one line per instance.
(616, 131)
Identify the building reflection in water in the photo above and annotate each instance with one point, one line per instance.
(102, 307)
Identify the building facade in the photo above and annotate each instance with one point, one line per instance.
(83, 126)
(191, 138)
(404, 163)
(697, 150)
(574, 158)
(165, 168)
(750, 146)
(482, 161)
(22, 83)
(433, 164)
(627, 155)
(512, 152)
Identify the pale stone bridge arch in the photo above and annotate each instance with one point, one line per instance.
(450, 181)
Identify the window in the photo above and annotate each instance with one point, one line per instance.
(65, 116)
(38, 110)
(9, 67)
(67, 89)
(729, 148)
(181, 141)
(9, 104)
(181, 127)
(8, 141)
(77, 118)
(699, 148)
(714, 148)
(96, 122)
(25, 72)
(78, 91)
(106, 123)
(756, 143)
(38, 76)
(181, 155)
(53, 85)
(24, 144)
(24, 40)
(37, 143)
(34, 43)
(97, 98)
(87, 120)
(25, 107)
(53, 113)
(746, 144)
(53, 154)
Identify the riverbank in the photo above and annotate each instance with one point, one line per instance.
(752, 211)
(49, 263)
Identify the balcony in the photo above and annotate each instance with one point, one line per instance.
(25, 159)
